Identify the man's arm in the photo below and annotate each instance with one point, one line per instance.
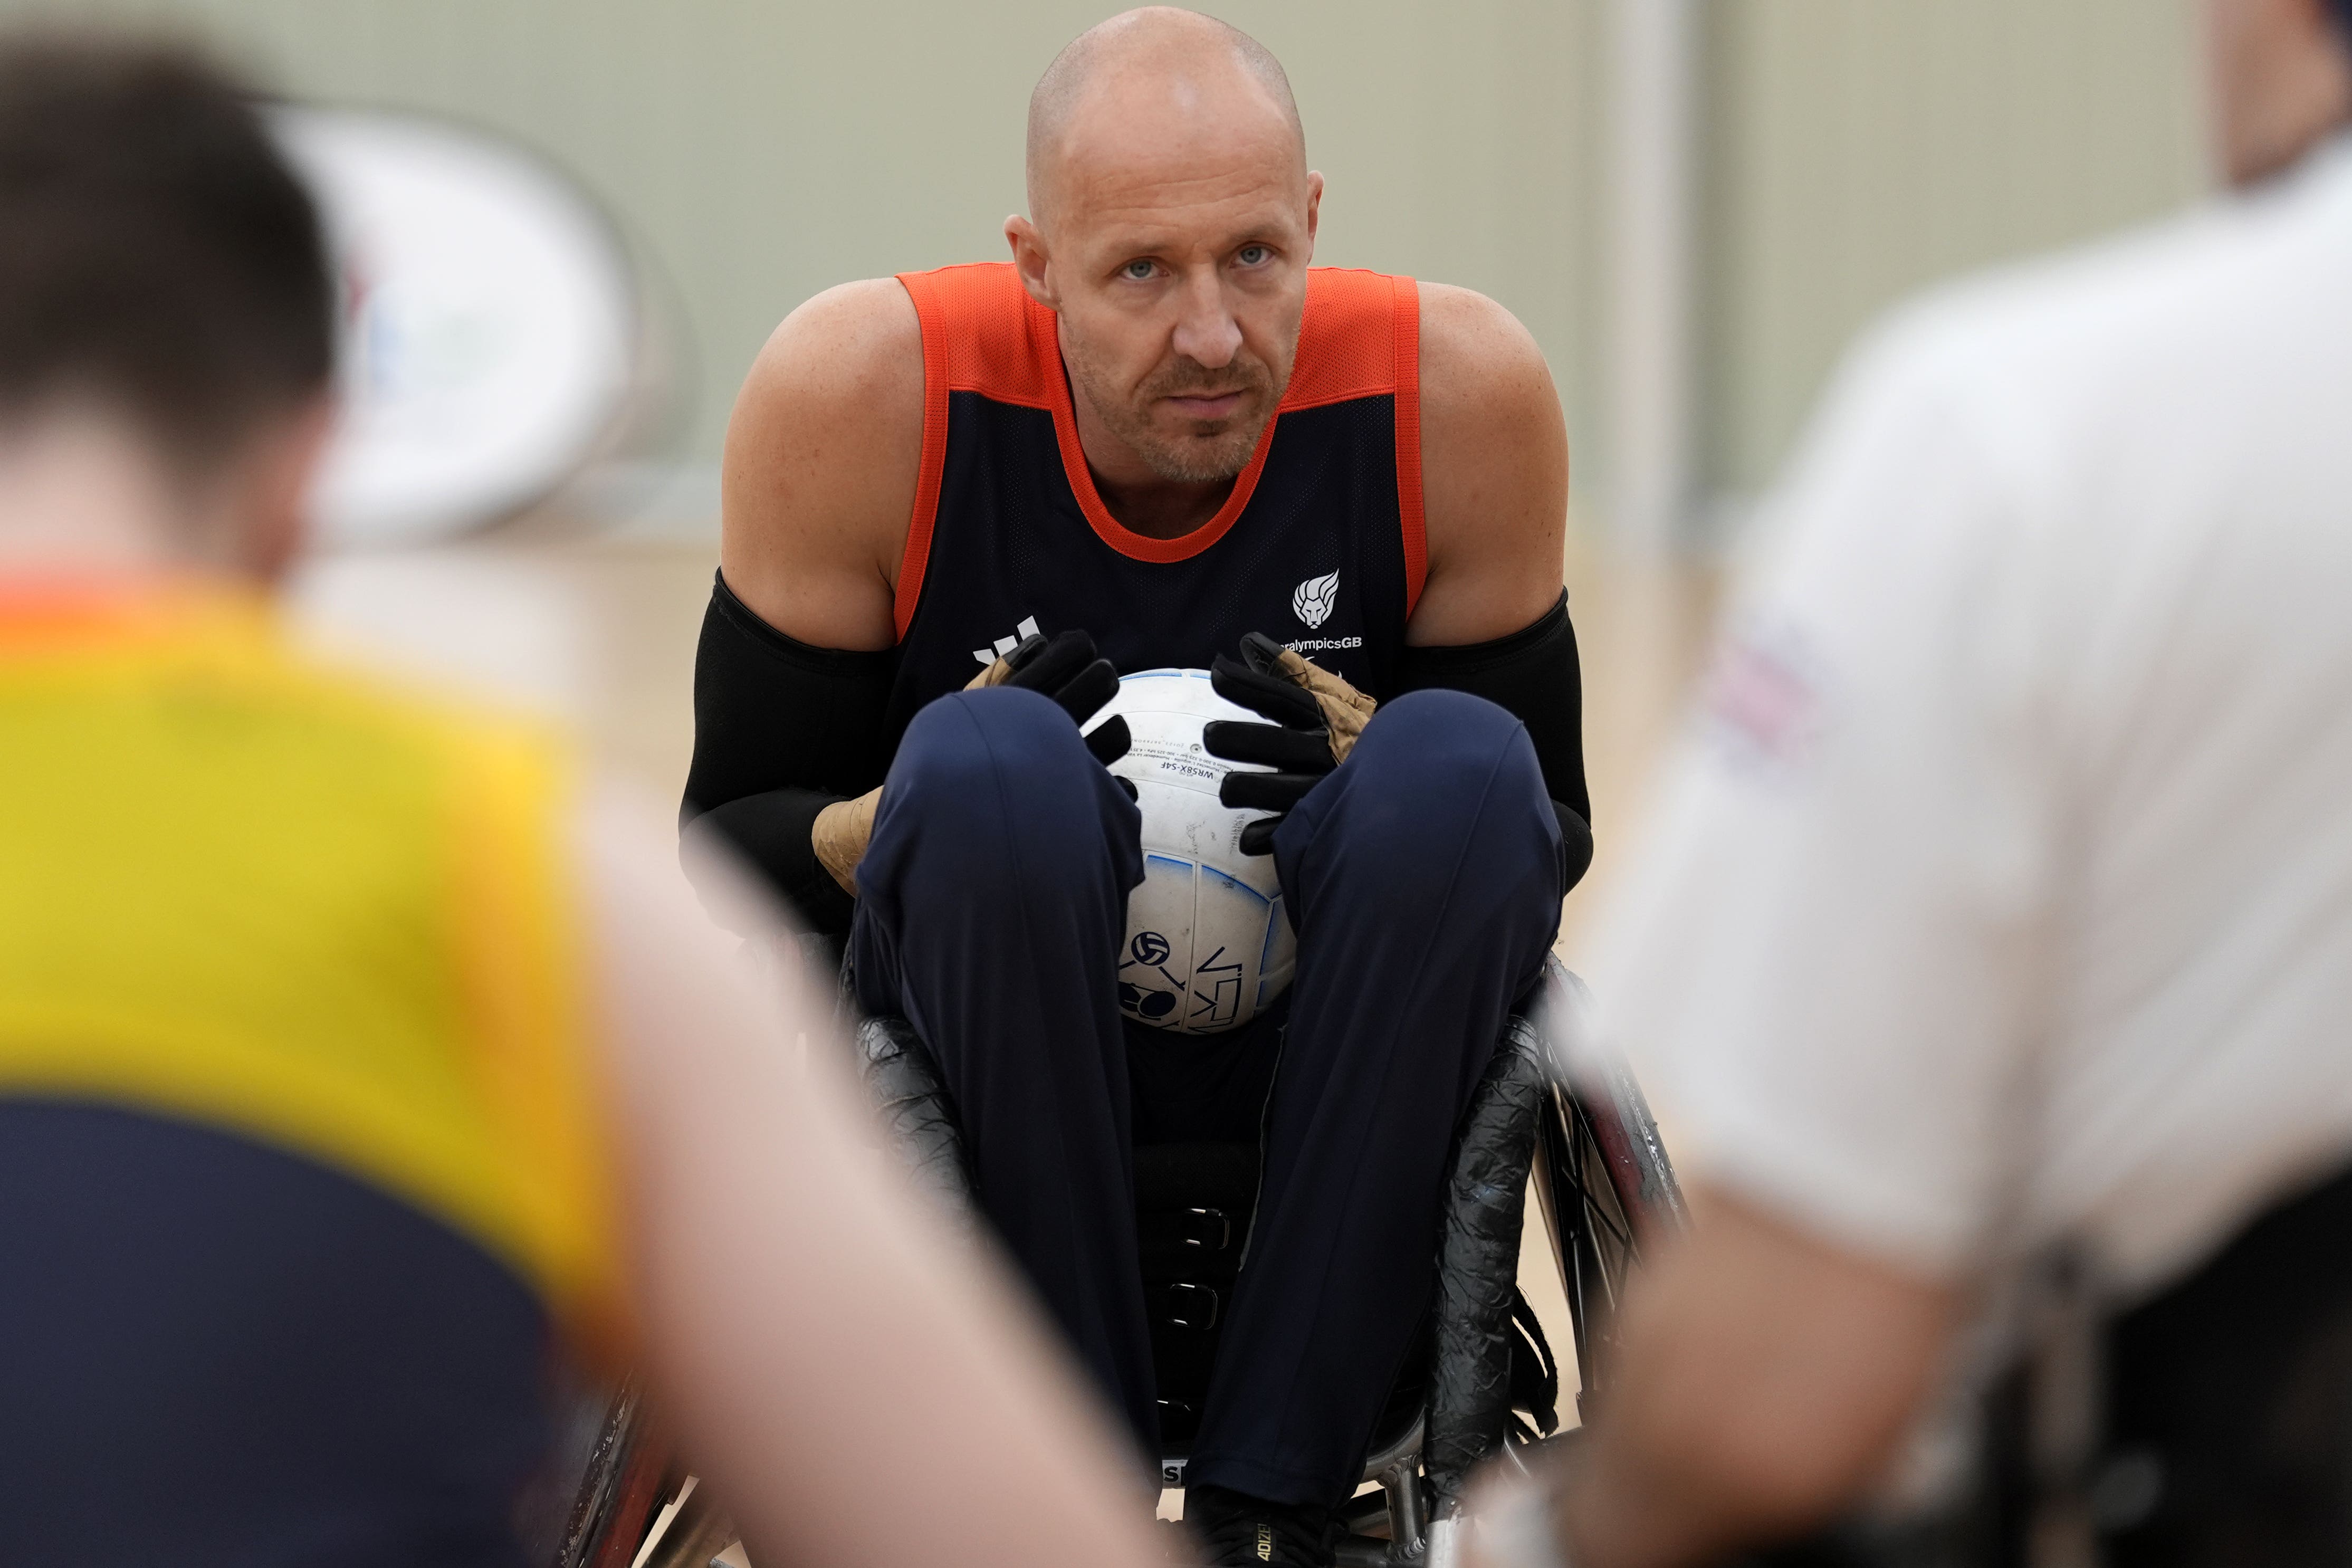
(1494, 473)
(856, 1384)
(1493, 618)
(823, 456)
(792, 676)
(1767, 1376)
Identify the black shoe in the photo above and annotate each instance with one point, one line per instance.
(1240, 1531)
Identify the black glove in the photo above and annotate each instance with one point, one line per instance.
(1300, 743)
(1317, 717)
(1066, 668)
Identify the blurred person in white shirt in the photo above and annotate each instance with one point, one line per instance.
(1991, 958)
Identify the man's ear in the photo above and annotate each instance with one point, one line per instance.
(1314, 208)
(1030, 260)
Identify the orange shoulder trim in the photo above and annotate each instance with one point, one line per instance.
(1347, 341)
(1361, 338)
(987, 337)
(980, 333)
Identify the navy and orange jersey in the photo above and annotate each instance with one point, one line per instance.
(301, 1168)
(1319, 546)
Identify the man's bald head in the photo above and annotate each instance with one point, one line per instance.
(1172, 223)
(1155, 64)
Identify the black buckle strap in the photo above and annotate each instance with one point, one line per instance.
(1200, 1226)
(1190, 1306)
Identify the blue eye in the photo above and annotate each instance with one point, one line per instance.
(1251, 255)
(1140, 272)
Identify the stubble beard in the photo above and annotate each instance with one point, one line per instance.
(1210, 451)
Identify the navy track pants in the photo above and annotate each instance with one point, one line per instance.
(1423, 878)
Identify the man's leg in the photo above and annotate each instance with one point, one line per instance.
(1423, 879)
(991, 905)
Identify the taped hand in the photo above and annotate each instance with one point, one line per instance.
(1316, 718)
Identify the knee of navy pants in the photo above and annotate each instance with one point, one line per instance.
(992, 900)
(1423, 880)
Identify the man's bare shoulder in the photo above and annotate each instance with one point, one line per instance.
(857, 343)
(1477, 360)
(1495, 471)
(823, 453)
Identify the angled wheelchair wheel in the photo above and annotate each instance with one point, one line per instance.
(1602, 1178)
(1607, 1190)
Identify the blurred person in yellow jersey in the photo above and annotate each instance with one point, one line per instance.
(355, 1053)
(1993, 959)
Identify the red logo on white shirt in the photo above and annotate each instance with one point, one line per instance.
(1760, 698)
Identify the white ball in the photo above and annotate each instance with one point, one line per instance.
(1208, 943)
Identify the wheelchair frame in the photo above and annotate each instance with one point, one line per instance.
(1605, 1188)
(1603, 1185)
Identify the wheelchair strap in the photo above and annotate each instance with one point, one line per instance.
(1535, 1374)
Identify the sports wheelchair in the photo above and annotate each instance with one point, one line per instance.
(1483, 1383)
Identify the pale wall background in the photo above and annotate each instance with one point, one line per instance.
(1858, 149)
(756, 151)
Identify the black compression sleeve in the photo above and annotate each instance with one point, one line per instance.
(781, 731)
(1533, 674)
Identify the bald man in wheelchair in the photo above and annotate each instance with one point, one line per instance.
(959, 505)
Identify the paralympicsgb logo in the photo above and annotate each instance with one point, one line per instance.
(1312, 600)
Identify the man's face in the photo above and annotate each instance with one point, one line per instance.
(1178, 281)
